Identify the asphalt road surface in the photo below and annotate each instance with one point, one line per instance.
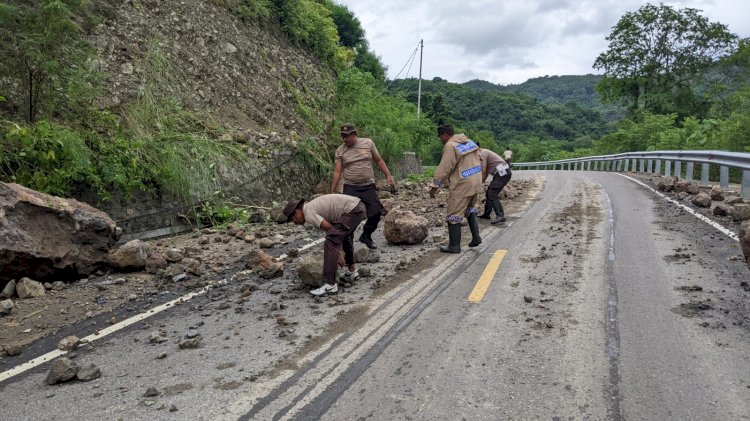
(603, 307)
(599, 300)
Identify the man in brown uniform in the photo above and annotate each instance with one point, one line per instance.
(461, 170)
(354, 160)
(493, 165)
(338, 215)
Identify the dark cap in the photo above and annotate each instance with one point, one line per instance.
(288, 210)
(348, 129)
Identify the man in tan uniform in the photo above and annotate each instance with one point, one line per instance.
(499, 169)
(354, 161)
(338, 215)
(461, 171)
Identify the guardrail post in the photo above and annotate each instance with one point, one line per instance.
(627, 164)
(704, 175)
(610, 164)
(641, 166)
(658, 166)
(678, 169)
(689, 175)
(596, 165)
(667, 168)
(633, 165)
(650, 166)
(588, 165)
(724, 177)
(745, 185)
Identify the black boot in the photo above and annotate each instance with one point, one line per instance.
(366, 239)
(474, 227)
(498, 211)
(454, 239)
(487, 211)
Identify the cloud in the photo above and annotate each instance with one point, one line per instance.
(507, 41)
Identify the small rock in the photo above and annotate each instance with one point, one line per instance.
(180, 277)
(10, 290)
(89, 373)
(61, 370)
(266, 243)
(527, 298)
(161, 356)
(6, 306)
(191, 343)
(156, 337)
(68, 343)
(28, 288)
(151, 392)
(13, 350)
(192, 333)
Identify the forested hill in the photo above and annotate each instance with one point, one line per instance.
(551, 89)
(509, 116)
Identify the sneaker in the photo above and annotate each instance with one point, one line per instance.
(325, 288)
(342, 274)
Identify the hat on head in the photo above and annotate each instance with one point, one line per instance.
(288, 210)
(348, 129)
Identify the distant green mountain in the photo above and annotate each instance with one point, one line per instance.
(510, 116)
(558, 90)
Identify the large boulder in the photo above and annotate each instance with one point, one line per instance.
(744, 235)
(404, 227)
(741, 212)
(681, 186)
(310, 270)
(702, 200)
(693, 188)
(717, 194)
(132, 255)
(44, 237)
(28, 288)
(666, 183)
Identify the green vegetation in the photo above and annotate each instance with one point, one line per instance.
(658, 60)
(685, 81)
(503, 118)
(44, 52)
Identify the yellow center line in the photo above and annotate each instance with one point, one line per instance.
(489, 273)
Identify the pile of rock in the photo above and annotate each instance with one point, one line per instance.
(24, 288)
(731, 204)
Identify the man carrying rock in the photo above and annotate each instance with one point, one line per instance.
(354, 160)
(460, 170)
(338, 215)
(493, 165)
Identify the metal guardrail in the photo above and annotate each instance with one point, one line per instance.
(651, 162)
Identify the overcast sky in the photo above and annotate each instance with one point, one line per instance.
(508, 41)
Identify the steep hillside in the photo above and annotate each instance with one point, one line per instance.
(243, 75)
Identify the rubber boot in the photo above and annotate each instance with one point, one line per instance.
(454, 239)
(474, 227)
(499, 212)
(487, 210)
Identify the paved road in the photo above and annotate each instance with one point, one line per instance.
(593, 314)
(608, 303)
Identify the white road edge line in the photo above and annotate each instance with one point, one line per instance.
(5, 375)
(709, 221)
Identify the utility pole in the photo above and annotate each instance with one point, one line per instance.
(419, 89)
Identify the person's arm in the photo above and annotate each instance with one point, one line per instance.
(443, 170)
(325, 225)
(338, 167)
(383, 168)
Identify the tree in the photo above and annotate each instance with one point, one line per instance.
(658, 58)
(46, 55)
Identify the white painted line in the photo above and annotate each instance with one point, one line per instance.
(5, 375)
(709, 221)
